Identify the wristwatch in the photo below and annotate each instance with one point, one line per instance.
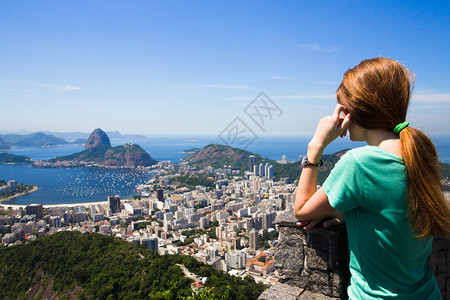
(307, 163)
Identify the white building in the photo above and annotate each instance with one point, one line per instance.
(236, 259)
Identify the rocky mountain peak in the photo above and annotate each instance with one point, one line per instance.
(97, 138)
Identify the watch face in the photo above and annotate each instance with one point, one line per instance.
(304, 160)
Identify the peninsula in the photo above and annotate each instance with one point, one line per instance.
(10, 190)
(7, 158)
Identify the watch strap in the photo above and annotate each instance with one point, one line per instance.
(307, 163)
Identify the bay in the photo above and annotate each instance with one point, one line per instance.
(73, 185)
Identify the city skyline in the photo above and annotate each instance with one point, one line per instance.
(169, 68)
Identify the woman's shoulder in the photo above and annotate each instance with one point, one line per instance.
(372, 152)
(356, 154)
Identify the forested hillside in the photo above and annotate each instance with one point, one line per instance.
(92, 266)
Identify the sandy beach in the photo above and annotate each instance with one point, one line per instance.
(58, 205)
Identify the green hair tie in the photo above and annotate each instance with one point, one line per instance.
(401, 126)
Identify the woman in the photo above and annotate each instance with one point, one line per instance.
(389, 191)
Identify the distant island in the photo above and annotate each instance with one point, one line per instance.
(190, 151)
(38, 139)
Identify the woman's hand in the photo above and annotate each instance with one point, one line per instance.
(329, 128)
(335, 218)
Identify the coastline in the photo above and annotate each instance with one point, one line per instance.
(17, 206)
(34, 189)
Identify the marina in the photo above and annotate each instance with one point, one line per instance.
(73, 185)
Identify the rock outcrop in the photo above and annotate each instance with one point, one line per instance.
(315, 260)
(97, 138)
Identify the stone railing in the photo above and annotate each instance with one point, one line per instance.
(313, 264)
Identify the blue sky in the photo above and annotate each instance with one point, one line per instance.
(192, 67)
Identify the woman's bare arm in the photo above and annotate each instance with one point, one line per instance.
(309, 203)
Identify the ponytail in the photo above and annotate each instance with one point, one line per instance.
(428, 210)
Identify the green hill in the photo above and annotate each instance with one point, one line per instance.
(95, 154)
(94, 266)
(217, 156)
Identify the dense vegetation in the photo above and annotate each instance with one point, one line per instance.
(92, 154)
(217, 156)
(7, 158)
(210, 231)
(192, 181)
(100, 267)
(266, 237)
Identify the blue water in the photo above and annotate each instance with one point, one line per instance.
(73, 185)
(78, 185)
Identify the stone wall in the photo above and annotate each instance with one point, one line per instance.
(440, 265)
(313, 264)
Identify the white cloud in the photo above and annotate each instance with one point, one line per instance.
(316, 47)
(281, 77)
(60, 87)
(216, 86)
(241, 98)
(431, 98)
(319, 96)
(289, 97)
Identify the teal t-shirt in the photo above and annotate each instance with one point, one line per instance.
(369, 185)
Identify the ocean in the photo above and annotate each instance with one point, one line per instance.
(80, 185)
